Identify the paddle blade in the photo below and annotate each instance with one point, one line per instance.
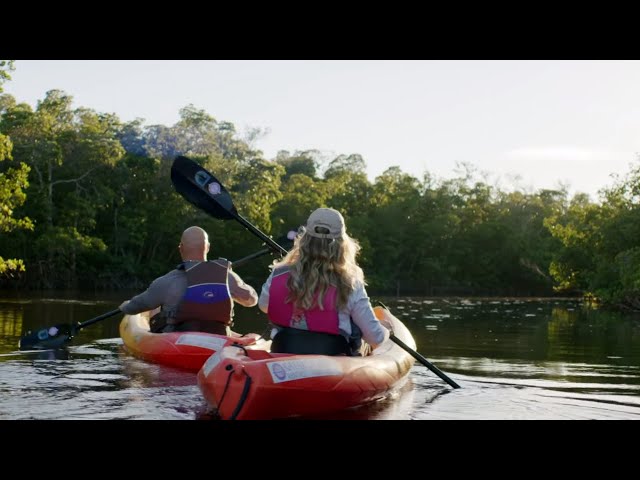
(47, 338)
(202, 189)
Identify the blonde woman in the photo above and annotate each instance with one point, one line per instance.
(316, 298)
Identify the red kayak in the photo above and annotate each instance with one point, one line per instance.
(246, 384)
(186, 350)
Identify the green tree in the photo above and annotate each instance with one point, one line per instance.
(70, 152)
(301, 195)
(13, 181)
(391, 251)
(301, 162)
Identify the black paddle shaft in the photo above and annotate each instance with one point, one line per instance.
(423, 360)
(419, 357)
(98, 319)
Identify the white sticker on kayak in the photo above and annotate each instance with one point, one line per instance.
(288, 370)
(212, 343)
(211, 362)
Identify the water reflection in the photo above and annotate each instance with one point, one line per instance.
(10, 326)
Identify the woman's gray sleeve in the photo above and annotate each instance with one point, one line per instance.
(263, 302)
(362, 315)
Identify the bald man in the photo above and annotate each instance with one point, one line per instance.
(198, 295)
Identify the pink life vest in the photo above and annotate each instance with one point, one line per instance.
(284, 314)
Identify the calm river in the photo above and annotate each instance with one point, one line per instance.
(514, 359)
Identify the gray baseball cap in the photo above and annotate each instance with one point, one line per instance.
(328, 218)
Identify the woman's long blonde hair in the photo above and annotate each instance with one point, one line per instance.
(315, 264)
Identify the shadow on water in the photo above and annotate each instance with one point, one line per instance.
(514, 358)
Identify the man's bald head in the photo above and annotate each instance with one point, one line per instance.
(194, 244)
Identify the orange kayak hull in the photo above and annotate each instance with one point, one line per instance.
(184, 350)
(246, 384)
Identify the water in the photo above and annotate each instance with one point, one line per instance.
(514, 359)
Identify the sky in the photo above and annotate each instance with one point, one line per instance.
(526, 124)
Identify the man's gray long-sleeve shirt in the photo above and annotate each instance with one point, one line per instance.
(167, 291)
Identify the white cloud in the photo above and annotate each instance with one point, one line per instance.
(581, 169)
(563, 154)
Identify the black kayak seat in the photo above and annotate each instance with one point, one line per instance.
(304, 342)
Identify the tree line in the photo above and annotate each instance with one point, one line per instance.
(86, 202)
